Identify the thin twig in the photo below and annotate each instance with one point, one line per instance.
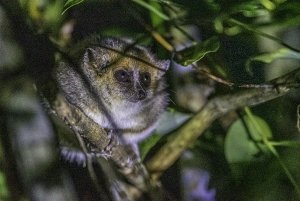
(215, 78)
(157, 36)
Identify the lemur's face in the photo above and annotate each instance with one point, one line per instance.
(133, 83)
(116, 83)
(127, 76)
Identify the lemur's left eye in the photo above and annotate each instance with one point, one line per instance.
(122, 76)
(145, 79)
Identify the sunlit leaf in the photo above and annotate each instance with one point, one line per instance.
(70, 3)
(196, 52)
(240, 142)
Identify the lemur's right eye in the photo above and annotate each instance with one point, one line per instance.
(145, 79)
(122, 76)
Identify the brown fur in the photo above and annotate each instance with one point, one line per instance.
(90, 84)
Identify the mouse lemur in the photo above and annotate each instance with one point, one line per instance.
(117, 84)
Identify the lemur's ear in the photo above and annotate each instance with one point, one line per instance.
(163, 66)
(97, 59)
(90, 56)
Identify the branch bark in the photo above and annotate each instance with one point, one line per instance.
(39, 61)
(214, 109)
(102, 144)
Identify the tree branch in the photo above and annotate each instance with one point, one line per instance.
(213, 110)
(101, 143)
(39, 61)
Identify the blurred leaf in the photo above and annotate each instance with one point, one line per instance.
(198, 51)
(52, 14)
(258, 127)
(146, 145)
(286, 15)
(171, 120)
(46, 14)
(4, 193)
(156, 20)
(238, 147)
(240, 143)
(70, 3)
(34, 8)
(268, 4)
(248, 8)
(168, 122)
(283, 53)
(152, 8)
(272, 149)
(286, 143)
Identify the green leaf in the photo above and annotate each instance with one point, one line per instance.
(168, 122)
(258, 127)
(71, 3)
(198, 51)
(283, 53)
(152, 8)
(286, 143)
(240, 145)
(4, 193)
(156, 20)
(146, 145)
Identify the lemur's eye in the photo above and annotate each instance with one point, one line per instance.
(122, 76)
(145, 79)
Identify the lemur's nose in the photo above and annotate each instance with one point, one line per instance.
(141, 94)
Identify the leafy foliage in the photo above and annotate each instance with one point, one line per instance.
(198, 51)
(241, 140)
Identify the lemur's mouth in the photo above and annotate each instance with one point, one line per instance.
(138, 95)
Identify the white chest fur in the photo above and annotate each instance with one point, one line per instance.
(128, 118)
